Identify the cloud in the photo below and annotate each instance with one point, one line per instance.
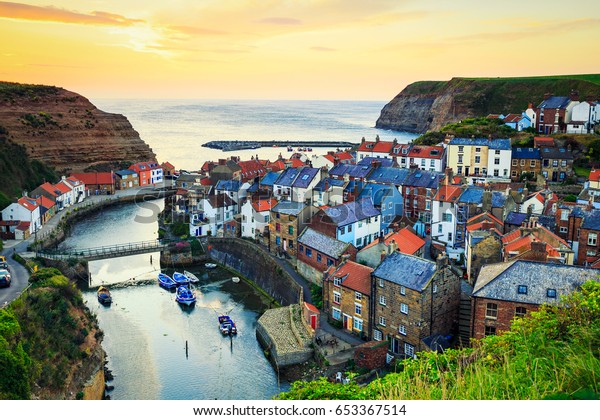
(322, 49)
(53, 14)
(194, 30)
(280, 21)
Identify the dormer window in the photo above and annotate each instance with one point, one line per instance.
(551, 293)
(522, 290)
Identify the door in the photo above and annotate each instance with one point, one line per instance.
(554, 176)
(313, 322)
(347, 322)
(396, 346)
(466, 171)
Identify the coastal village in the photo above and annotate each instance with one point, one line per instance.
(417, 247)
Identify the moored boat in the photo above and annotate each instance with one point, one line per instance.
(104, 296)
(235, 279)
(210, 265)
(185, 296)
(192, 277)
(166, 281)
(226, 325)
(180, 279)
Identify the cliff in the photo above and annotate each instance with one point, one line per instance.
(428, 105)
(65, 130)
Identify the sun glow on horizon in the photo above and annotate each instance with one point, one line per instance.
(322, 49)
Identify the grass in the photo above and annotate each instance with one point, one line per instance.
(583, 172)
(593, 78)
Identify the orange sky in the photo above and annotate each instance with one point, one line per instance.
(281, 49)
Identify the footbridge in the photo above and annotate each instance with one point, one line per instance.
(104, 252)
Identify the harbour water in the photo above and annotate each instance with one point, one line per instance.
(156, 349)
(177, 129)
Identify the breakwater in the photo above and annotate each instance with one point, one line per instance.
(231, 145)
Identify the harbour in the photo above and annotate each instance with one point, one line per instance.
(232, 145)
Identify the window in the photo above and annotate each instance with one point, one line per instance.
(427, 205)
(358, 324)
(402, 329)
(497, 152)
(446, 217)
(555, 163)
(377, 336)
(520, 311)
(497, 161)
(522, 290)
(329, 262)
(382, 320)
(380, 282)
(461, 149)
(277, 227)
(357, 295)
(564, 215)
(349, 228)
(563, 229)
(551, 293)
(459, 170)
(402, 290)
(514, 162)
(291, 230)
(496, 172)
(532, 163)
(449, 236)
(342, 230)
(409, 349)
(522, 162)
(382, 300)
(358, 309)
(359, 241)
(514, 174)
(337, 281)
(336, 314)
(290, 244)
(301, 248)
(460, 158)
(563, 163)
(435, 289)
(491, 310)
(477, 159)
(477, 149)
(319, 257)
(277, 240)
(337, 297)
(592, 239)
(308, 252)
(489, 330)
(277, 216)
(404, 308)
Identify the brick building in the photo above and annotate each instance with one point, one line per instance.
(504, 291)
(317, 252)
(525, 160)
(589, 238)
(288, 220)
(413, 299)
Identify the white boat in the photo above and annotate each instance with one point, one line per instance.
(210, 265)
(235, 279)
(192, 277)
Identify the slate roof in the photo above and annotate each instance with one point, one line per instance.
(591, 220)
(555, 102)
(125, 172)
(269, 179)
(220, 200)
(556, 153)
(395, 176)
(498, 199)
(501, 281)
(368, 161)
(354, 171)
(305, 177)
(227, 185)
(322, 243)
(471, 195)
(549, 222)
(525, 153)
(376, 192)
(502, 144)
(514, 218)
(406, 270)
(331, 181)
(287, 177)
(423, 179)
(289, 207)
(346, 214)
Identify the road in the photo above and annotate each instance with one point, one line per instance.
(19, 274)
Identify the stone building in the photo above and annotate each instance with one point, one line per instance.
(414, 300)
(288, 220)
(504, 291)
(347, 297)
(525, 160)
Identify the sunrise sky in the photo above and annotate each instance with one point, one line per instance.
(283, 49)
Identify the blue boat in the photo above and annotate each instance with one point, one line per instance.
(185, 296)
(166, 281)
(226, 325)
(181, 279)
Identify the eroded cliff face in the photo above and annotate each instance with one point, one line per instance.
(65, 130)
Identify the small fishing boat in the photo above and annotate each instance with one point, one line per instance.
(192, 277)
(104, 296)
(309, 149)
(226, 325)
(185, 296)
(235, 279)
(290, 149)
(181, 279)
(210, 265)
(166, 281)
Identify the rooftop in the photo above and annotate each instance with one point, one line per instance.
(502, 144)
(406, 270)
(323, 243)
(348, 213)
(472, 195)
(289, 207)
(305, 177)
(525, 153)
(355, 276)
(555, 102)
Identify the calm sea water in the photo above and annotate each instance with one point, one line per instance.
(176, 130)
(146, 331)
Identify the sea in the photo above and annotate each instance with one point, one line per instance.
(177, 129)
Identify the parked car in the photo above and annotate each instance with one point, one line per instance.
(5, 278)
(3, 265)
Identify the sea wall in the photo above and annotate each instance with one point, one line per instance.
(257, 265)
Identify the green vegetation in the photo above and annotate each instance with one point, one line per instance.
(583, 172)
(180, 229)
(552, 354)
(17, 90)
(42, 336)
(570, 198)
(316, 294)
(196, 247)
(18, 172)
(473, 127)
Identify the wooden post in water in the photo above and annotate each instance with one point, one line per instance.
(186, 349)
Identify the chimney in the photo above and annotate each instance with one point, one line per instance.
(395, 142)
(222, 161)
(345, 258)
(442, 261)
(539, 247)
(375, 163)
(326, 184)
(382, 256)
(377, 139)
(530, 105)
(449, 175)
(331, 153)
